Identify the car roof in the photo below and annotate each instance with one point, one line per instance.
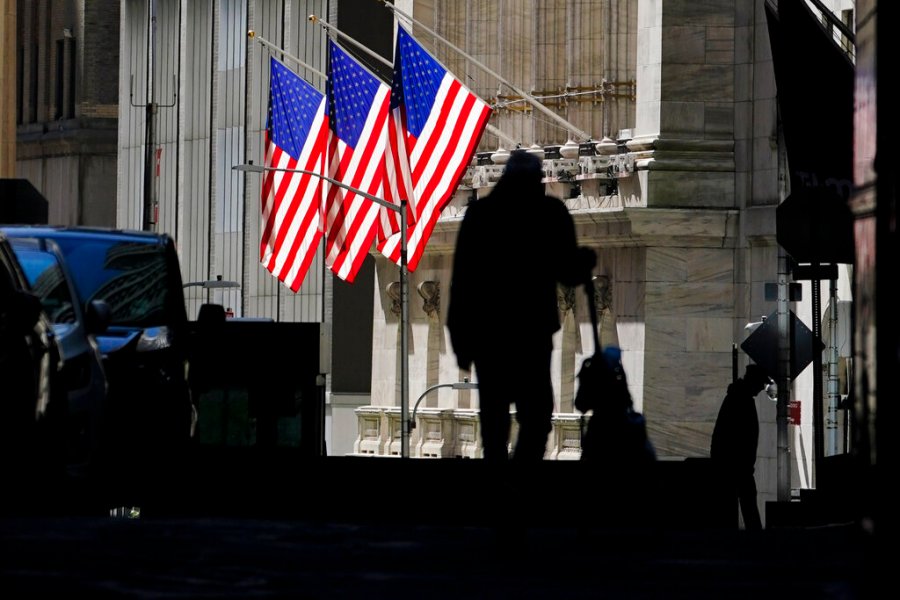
(82, 232)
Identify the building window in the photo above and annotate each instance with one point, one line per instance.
(59, 80)
(33, 88)
(20, 85)
(70, 84)
(847, 19)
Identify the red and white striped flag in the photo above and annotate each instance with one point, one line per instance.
(296, 136)
(358, 106)
(437, 123)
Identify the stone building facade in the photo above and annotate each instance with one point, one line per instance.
(676, 192)
(675, 185)
(67, 104)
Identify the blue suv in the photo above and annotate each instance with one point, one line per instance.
(75, 326)
(149, 417)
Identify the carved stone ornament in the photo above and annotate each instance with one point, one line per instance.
(602, 293)
(431, 293)
(565, 298)
(394, 293)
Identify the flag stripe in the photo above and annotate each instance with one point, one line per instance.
(296, 134)
(441, 123)
(358, 104)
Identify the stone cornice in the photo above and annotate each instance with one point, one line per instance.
(672, 227)
(629, 227)
(674, 154)
(66, 138)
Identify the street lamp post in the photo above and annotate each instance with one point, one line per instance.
(465, 384)
(212, 284)
(404, 286)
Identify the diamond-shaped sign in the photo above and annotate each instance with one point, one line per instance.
(762, 345)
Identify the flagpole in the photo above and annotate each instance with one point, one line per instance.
(404, 336)
(315, 19)
(252, 35)
(527, 97)
(404, 286)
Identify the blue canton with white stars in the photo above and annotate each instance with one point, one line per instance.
(292, 107)
(418, 82)
(351, 94)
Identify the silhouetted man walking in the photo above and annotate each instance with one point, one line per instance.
(734, 442)
(513, 247)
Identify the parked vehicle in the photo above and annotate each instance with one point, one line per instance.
(30, 401)
(75, 325)
(149, 417)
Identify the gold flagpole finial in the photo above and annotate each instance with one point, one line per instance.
(313, 18)
(251, 34)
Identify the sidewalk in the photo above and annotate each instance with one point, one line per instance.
(268, 525)
(248, 558)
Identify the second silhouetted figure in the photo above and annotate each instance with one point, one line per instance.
(734, 443)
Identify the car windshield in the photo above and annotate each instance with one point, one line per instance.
(130, 276)
(48, 282)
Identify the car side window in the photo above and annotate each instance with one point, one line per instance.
(48, 281)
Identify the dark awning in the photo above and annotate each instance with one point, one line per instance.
(815, 81)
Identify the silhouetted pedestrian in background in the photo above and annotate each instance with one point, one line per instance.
(616, 434)
(514, 246)
(734, 443)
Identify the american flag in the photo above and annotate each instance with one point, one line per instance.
(296, 137)
(437, 123)
(358, 105)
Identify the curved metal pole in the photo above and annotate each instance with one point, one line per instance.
(527, 97)
(465, 384)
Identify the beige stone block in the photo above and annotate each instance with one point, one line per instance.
(679, 439)
(683, 119)
(745, 14)
(685, 44)
(666, 264)
(766, 475)
(709, 265)
(709, 335)
(628, 300)
(743, 124)
(766, 409)
(690, 370)
(741, 188)
(765, 124)
(631, 336)
(765, 184)
(633, 363)
(710, 13)
(649, 15)
(720, 39)
(763, 257)
(743, 47)
(665, 334)
(720, 57)
(646, 119)
(629, 267)
(706, 299)
(680, 402)
(708, 227)
(697, 188)
(708, 82)
(718, 120)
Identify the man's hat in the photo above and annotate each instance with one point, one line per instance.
(755, 373)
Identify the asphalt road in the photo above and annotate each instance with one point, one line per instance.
(270, 526)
